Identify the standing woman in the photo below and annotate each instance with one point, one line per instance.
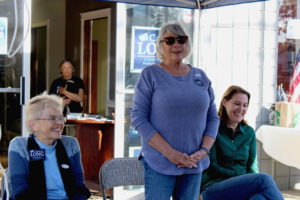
(45, 165)
(70, 87)
(175, 114)
(233, 172)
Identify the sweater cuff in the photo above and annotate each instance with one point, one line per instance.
(146, 130)
(212, 129)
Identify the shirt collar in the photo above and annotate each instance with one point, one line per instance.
(241, 128)
(44, 146)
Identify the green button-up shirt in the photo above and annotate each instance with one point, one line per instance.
(233, 154)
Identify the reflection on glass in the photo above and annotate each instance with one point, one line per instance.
(10, 72)
(287, 48)
(10, 120)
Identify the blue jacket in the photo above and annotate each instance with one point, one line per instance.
(18, 166)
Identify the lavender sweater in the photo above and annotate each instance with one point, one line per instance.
(180, 108)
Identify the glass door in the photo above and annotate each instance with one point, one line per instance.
(137, 29)
(14, 56)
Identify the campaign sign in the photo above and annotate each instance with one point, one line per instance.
(3, 35)
(37, 154)
(143, 47)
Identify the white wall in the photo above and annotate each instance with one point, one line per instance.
(239, 46)
(52, 14)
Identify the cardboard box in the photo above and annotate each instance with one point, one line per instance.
(287, 114)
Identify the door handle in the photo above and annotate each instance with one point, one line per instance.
(22, 92)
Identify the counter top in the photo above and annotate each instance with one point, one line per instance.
(90, 121)
(282, 144)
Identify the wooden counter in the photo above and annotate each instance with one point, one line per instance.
(96, 140)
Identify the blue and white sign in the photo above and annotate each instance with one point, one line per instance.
(3, 35)
(143, 47)
(37, 154)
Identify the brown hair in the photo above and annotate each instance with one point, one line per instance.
(65, 61)
(232, 90)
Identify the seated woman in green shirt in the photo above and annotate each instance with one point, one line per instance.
(233, 172)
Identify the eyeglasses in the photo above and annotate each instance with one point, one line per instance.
(171, 40)
(56, 119)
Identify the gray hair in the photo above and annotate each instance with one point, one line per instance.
(176, 29)
(35, 107)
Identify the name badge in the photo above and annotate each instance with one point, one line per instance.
(37, 154)
(65, 166)
(198, 82)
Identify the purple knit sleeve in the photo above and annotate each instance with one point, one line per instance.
(142, 106)
(213, 120)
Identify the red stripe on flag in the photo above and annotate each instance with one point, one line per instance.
(295, 83)
(297, 100)
(293, 71)
(295, 80)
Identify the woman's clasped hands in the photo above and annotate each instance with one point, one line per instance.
(185, 160)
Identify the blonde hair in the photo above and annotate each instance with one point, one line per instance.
(176, 29)
(36, 105)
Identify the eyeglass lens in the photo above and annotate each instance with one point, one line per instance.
(171, 40)
(55, 119)
(58, 119)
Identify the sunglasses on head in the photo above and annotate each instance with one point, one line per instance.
(171, 40)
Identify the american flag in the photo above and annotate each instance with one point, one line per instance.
(295, 81)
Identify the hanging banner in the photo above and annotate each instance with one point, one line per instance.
(186, 3)
(172, 3)
(3, 35)
(143, 48)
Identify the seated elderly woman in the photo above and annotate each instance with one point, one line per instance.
(45, 165)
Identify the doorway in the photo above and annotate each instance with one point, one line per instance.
(95, 60)
(38, 60)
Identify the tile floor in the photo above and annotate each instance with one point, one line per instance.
(287, 194)
(291, 194)
(95, 191)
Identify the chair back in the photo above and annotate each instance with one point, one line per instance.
(4, 184)
(121, 172)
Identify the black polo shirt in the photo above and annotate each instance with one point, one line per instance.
(74, 84)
